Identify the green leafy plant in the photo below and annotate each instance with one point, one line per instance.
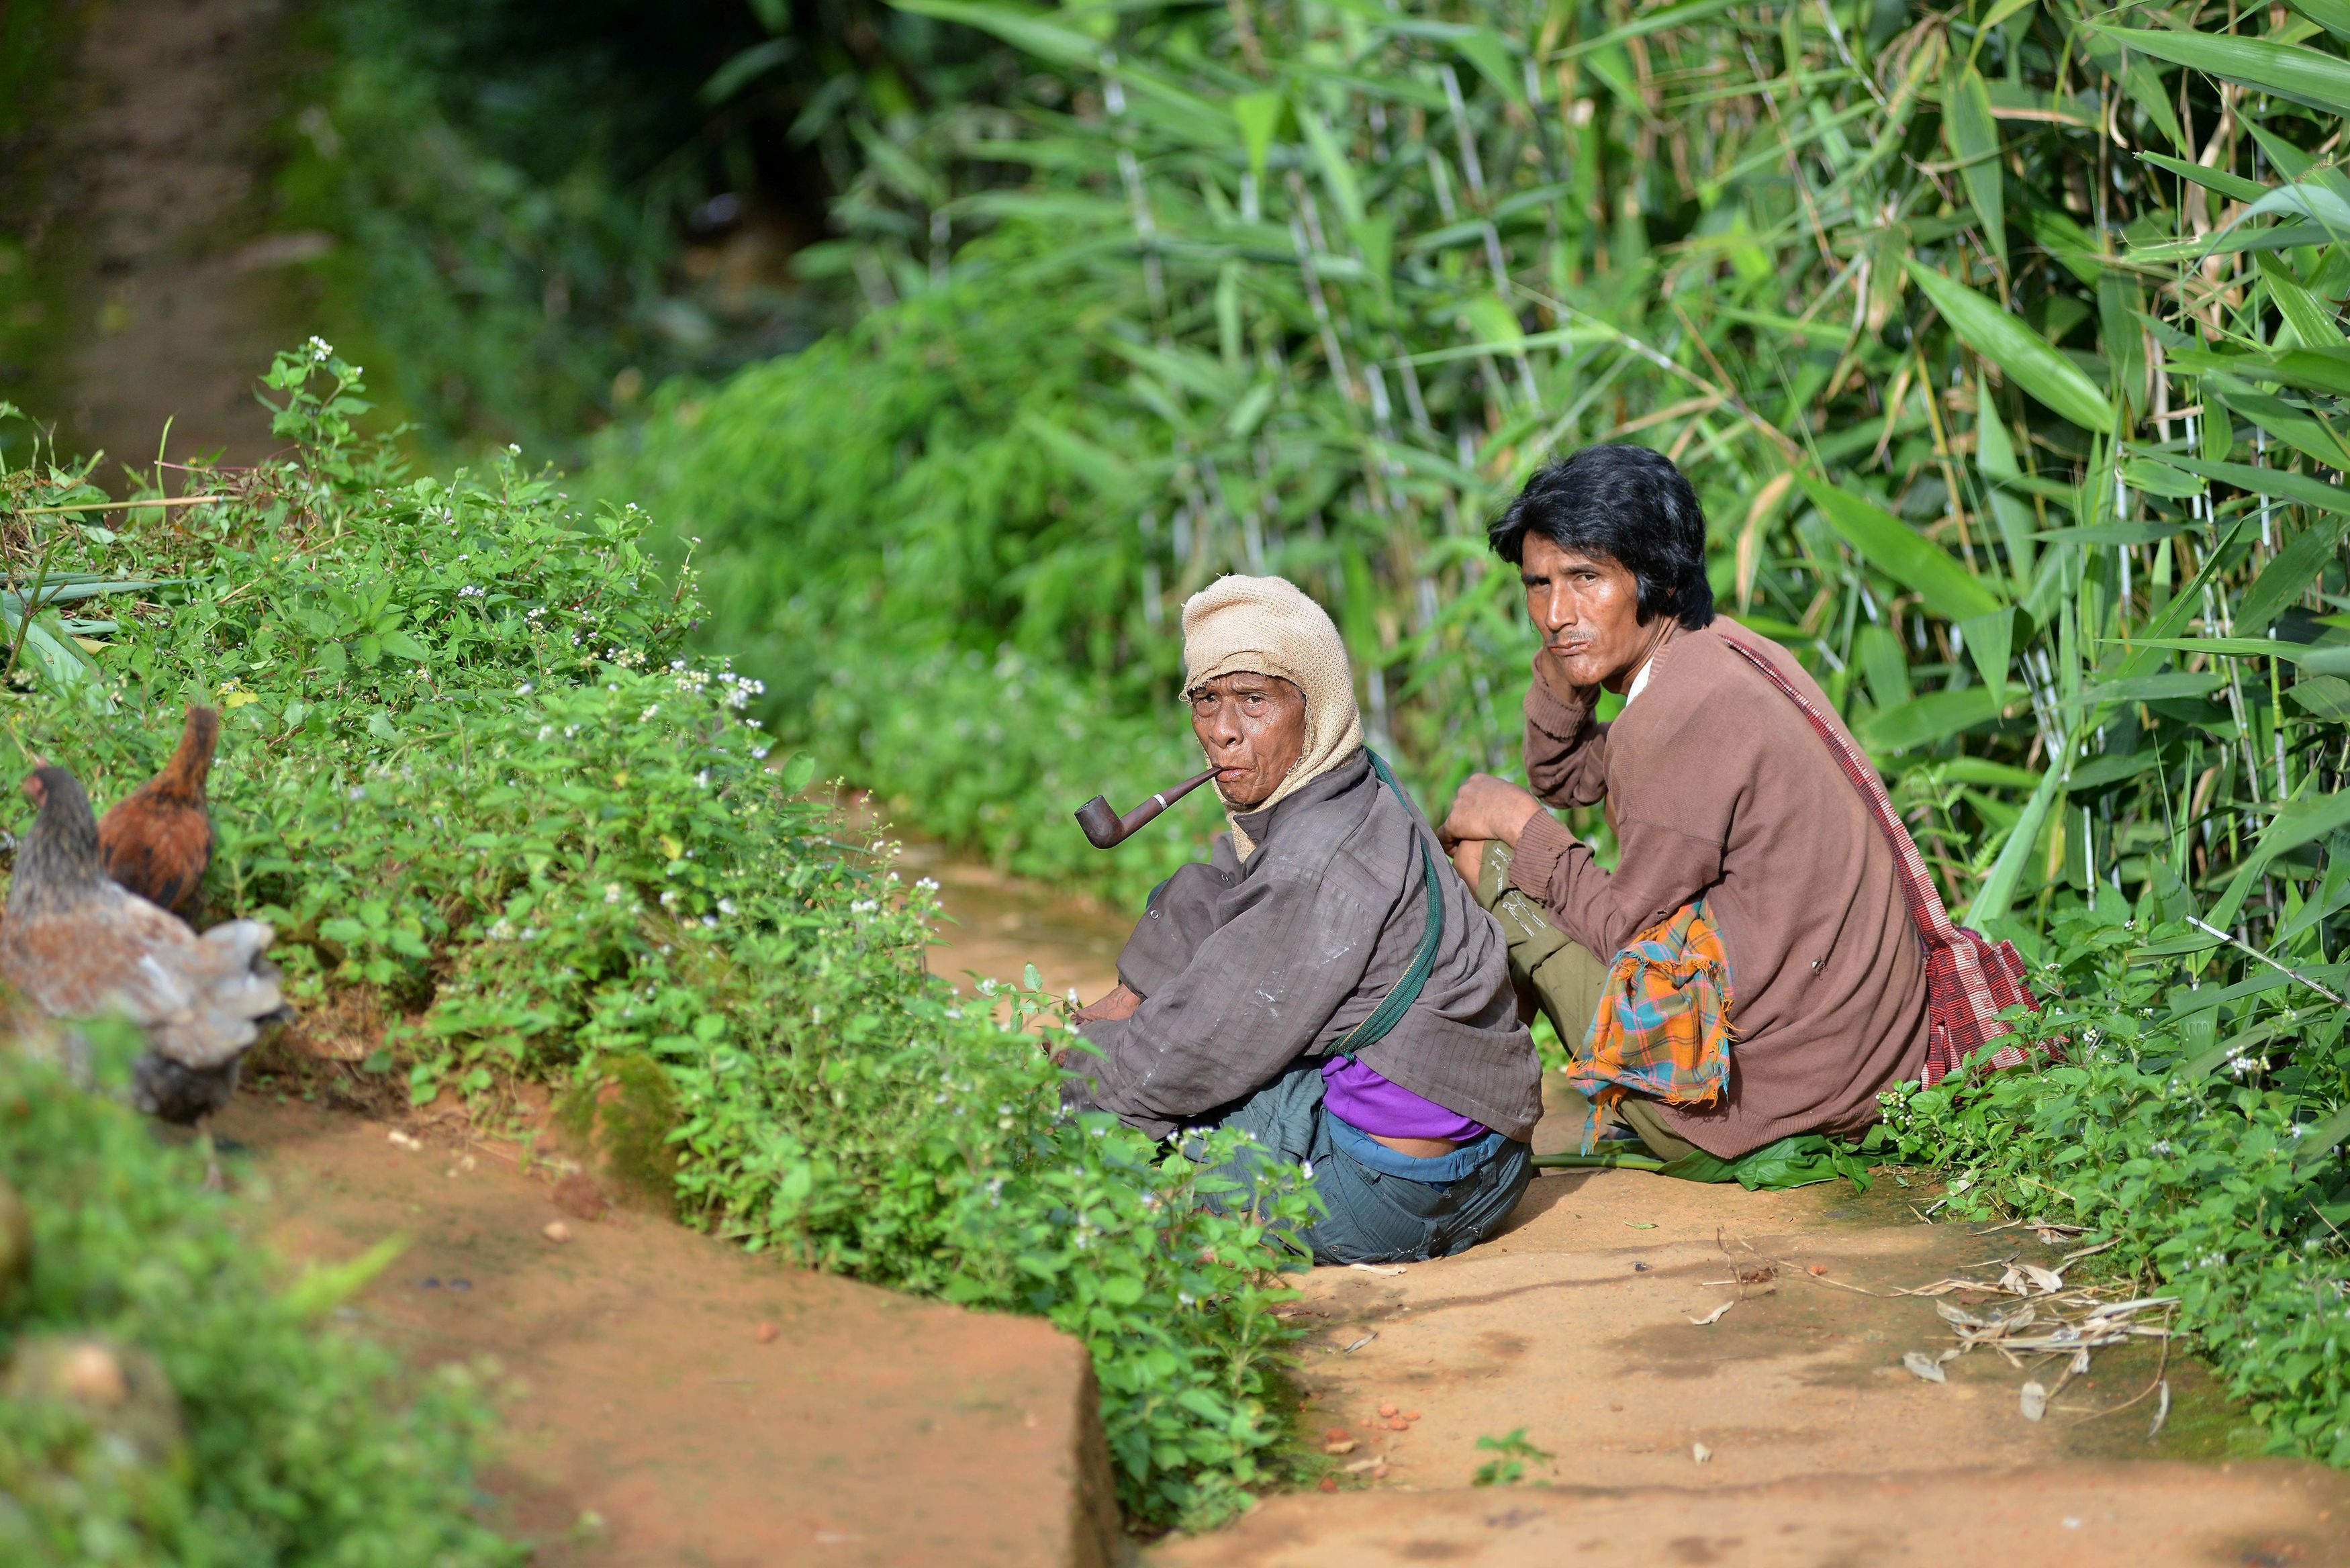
(1512, 1454)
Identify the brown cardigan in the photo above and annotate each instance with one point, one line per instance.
(1717, 784)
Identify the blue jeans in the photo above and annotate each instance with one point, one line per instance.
(1377, 1206)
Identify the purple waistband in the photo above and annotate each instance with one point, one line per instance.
(1354, 1094)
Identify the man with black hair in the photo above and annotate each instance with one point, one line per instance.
(1754, 891)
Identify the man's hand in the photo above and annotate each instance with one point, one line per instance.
(1550, 670)
(1119, 1004)
(1487, 807)
(1469, 859)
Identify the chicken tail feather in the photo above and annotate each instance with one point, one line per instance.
(192, 763)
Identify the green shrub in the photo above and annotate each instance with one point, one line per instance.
(252, 1433)
(466, 764)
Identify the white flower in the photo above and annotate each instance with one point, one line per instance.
(525, 689)
(611, 892)
(726, 906)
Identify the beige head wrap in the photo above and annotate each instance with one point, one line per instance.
(1268, 626)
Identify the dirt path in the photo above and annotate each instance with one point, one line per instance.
(151, 217)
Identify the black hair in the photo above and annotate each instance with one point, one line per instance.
(1629, 504)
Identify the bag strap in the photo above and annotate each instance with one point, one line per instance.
(1926, 910)
(1406, 991)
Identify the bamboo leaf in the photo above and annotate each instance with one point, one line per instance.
(1973, 138)
(2300, 653)
(1337, 170)
(2158, 477)
(2301, 822)
(2288, 70)
(2311, 322)
(2333, 15)
(1889, 545)
(2293, 569)
(2021, 353)
(1991, 643)
(1642, 26)
(2002, 12)
(1111, 475)
(2219, 179)
(2143, 85)
(2276, 482)
(1936, 716)
(1495, 61)
(1259, 114)
(1020, 29)
(2298, 428)
(1492, 322)
(2319, 1143)
(1997, 891)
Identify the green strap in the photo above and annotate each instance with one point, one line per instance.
(1398, 1001)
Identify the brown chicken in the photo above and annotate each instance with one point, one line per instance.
(76, 944)
(158, 839)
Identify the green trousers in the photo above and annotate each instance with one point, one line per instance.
(1565, 979)
(1566, 982)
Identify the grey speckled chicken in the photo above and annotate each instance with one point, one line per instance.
(76, 944)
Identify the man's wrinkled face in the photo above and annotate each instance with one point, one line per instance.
(1252, 728)
(1588, 609)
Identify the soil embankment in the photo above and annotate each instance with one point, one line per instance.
(673, 1400)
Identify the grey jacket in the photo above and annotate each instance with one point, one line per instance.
(1245, 967)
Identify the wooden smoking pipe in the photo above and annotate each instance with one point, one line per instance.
(1106, 830)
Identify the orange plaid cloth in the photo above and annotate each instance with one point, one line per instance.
(1663, 1025)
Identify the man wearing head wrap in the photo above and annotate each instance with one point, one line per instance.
(1321, 983)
